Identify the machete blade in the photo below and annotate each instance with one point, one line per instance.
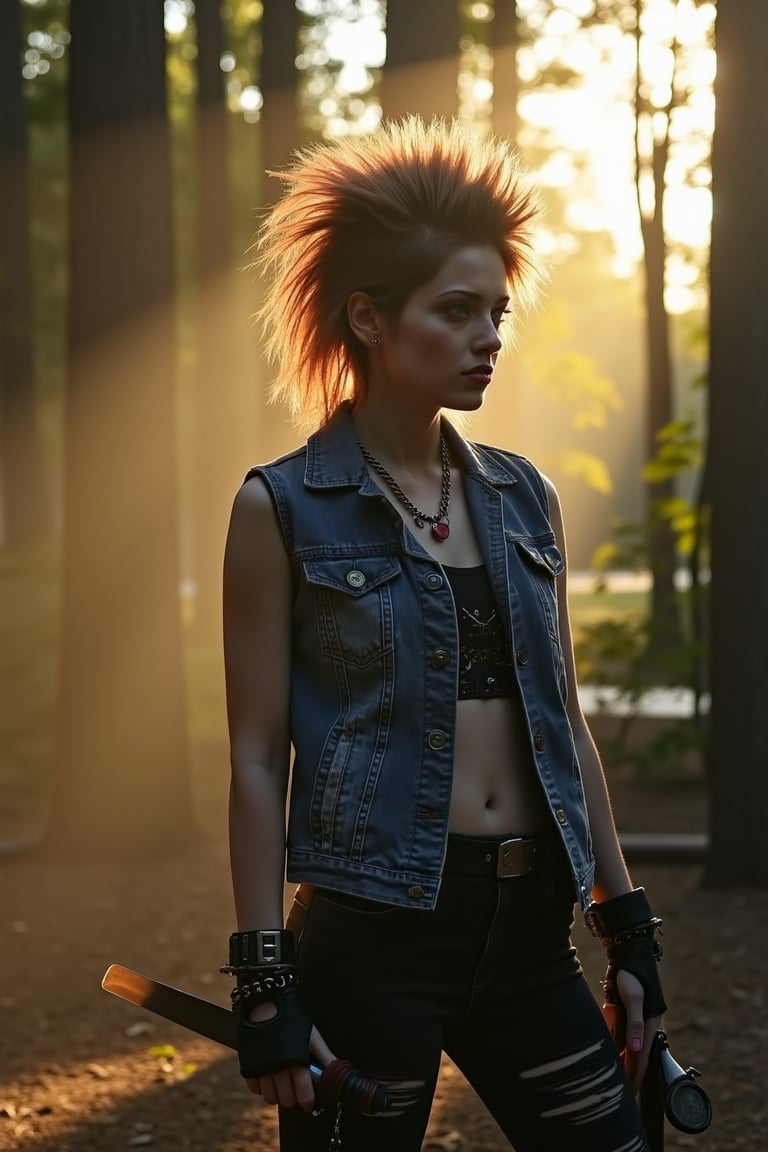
(220, 1024)
(210, 1020)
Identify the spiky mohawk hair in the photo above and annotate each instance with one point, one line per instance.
(379, 213)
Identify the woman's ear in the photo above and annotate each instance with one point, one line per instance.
(363, 318)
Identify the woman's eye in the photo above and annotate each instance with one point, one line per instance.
(458, 311)
(498, 317)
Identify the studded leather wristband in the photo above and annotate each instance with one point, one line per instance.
(261, 949)
(622, 917)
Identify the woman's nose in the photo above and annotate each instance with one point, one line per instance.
(489, 340)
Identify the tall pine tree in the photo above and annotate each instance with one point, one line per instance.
(22, 487)
(738, 460)
(122, 786)
(421, 74)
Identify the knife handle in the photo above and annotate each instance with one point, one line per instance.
(340, 1083)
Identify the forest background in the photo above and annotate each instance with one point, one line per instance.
(134, 141)
(612, 109)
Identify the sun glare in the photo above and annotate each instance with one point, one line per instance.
(593, 121)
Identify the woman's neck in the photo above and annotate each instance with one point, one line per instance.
(401, 438)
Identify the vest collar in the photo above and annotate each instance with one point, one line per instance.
(334, 459)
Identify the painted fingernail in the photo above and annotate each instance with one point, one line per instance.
(635, 1043)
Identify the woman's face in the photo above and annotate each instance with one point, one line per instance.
(441, 350)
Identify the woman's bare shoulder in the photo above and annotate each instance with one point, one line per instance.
(254, 540)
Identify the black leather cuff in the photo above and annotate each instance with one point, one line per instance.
(621, 914)
(261, 949)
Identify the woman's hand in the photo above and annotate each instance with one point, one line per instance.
(293, 1087)
(632, 1035)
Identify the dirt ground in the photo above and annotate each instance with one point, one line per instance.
(81, 1071)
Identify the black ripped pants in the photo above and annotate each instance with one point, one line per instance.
(490, 977)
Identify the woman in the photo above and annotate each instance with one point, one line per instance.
(396, 612)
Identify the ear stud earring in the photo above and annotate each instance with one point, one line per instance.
(375, 340)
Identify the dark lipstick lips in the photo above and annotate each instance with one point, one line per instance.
(479, 370)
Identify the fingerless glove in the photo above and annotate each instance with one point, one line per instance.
(264, 964)
(267, 1046)
(627, 929)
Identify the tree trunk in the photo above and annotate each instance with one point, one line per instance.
(280, 136)
(421, 73)
(738, 460)
(22, 485)
(122, 788)
(505, 35)
(666, 623)
(217, 467)
(666, 633)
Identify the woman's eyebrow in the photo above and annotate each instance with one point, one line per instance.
(469, 293)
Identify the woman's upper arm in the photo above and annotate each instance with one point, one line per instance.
(611, 877)
(257, 631)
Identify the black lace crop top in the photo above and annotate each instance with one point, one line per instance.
(485, 660)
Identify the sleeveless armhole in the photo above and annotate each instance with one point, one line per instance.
(276, 489)
(537, 483)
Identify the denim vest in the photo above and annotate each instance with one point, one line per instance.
(374, 665)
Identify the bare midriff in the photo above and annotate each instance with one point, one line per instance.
(495, 787)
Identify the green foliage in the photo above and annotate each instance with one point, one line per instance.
(338, 98)
(678, 450)
(619, 651)
(671, 747)
(587, 467)
(44, 65)
(624, 551)
(167, 1058)
(613, 652)
(573, 380)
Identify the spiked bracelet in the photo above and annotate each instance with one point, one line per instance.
(268, 987)
(253, 951)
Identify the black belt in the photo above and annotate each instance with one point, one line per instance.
(492, 856)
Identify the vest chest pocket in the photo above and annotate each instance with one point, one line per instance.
(544, 562)
(353, 606)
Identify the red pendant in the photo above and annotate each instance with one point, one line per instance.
(441, 531)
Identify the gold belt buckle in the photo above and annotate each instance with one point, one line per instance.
(516, 857)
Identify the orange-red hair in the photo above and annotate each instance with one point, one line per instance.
(379, 213)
